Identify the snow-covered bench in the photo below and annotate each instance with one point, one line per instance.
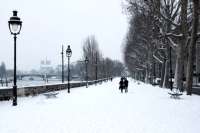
(51, 95)
(175, 95)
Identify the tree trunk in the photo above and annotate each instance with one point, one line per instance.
(1, 81)
(179, 68)
(162, 73)
(137, 75)
(192, 46)
(180, 48)
(166, 76)
(6, 80)
(146, 75)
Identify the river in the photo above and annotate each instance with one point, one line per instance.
(33, 81)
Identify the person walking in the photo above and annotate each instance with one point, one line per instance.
(126, 85)
(121, 84)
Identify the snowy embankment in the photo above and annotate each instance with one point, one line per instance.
(103, 109)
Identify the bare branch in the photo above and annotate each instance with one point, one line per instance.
(159, 60)
(169, 20)
(172, 43)
(175, 13)
(174, 35)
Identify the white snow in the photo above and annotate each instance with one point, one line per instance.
(103, 109)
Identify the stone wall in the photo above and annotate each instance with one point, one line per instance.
(6, 93)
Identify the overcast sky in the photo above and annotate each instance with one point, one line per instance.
(47, 24)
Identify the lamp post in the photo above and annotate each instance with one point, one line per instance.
(68, 54)
(170, 63)
(86, 70)
(154, 73)
(62, 54)
(96, 71)
(15, 25)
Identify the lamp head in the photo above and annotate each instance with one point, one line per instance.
(15, 24)
(68, 51)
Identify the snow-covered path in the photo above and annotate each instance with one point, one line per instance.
(103, 109)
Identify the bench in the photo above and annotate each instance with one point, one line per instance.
(51, 95)
(175, 95)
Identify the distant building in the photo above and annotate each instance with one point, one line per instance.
(45, 66)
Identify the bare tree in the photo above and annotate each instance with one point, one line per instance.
(192, 46)
(99, 67)
(176, 24)
(91, 51)
(3, 72)
(140, 44)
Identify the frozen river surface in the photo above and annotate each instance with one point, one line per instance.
(28, 82)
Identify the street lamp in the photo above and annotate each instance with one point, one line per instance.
(96, 72)
(62, 64)
(170, 63)
(15, 25)
(86, 70)
(68, 54)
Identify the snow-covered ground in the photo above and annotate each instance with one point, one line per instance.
(103, 109)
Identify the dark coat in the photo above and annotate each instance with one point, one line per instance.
(126, 83)
(121, 84)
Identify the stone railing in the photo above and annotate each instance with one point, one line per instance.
(7, 93)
